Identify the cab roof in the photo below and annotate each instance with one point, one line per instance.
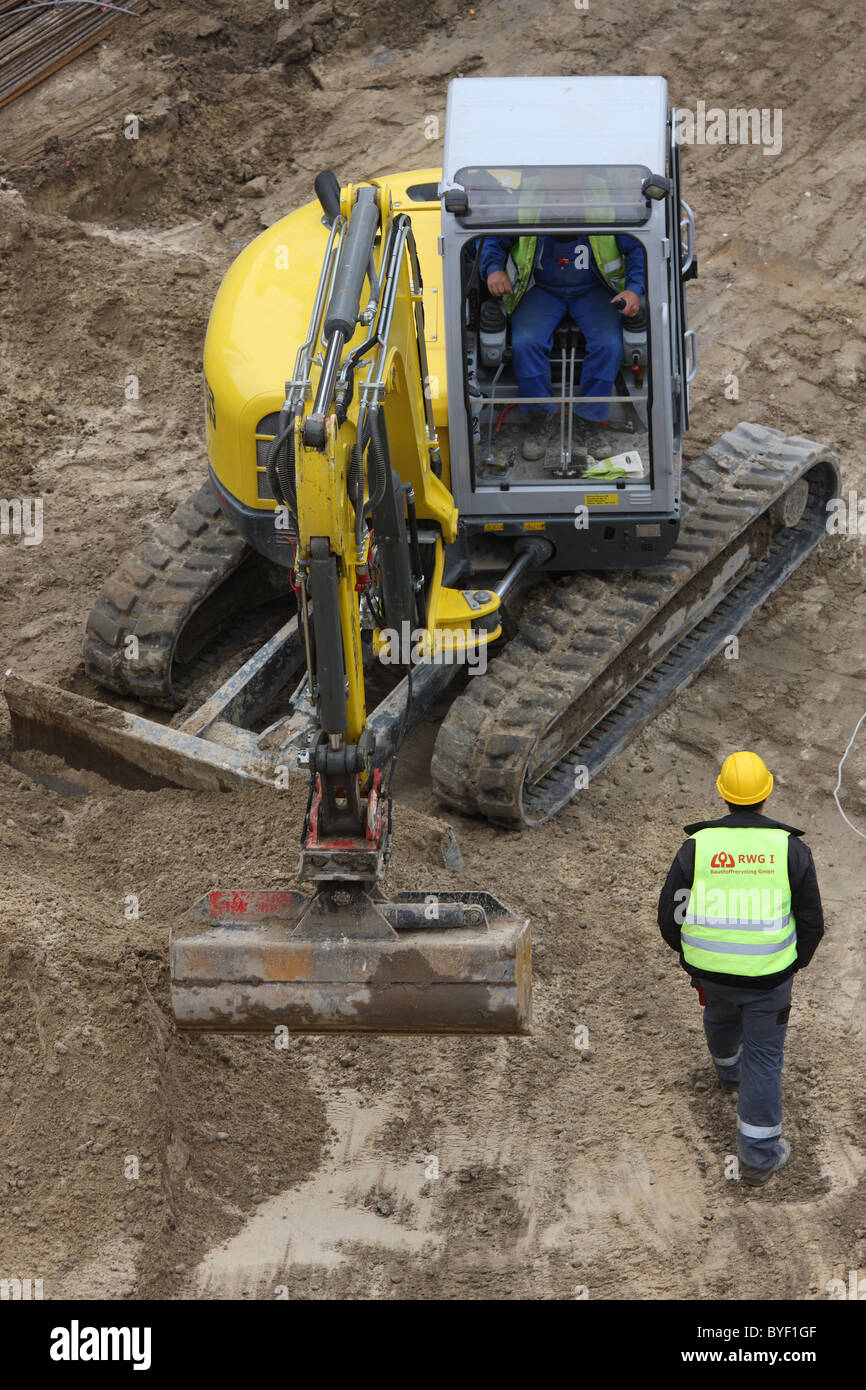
(521, 121)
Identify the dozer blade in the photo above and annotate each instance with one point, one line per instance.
(124, 748)
(351, 961)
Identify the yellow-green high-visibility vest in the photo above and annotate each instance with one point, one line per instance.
(609, 260)
(606, 253)
(739, 919)
(518, 268)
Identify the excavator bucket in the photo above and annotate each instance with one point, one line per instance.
(348, 960)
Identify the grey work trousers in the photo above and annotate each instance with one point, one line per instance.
(745, 1031)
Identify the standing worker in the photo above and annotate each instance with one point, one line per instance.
(742, 907)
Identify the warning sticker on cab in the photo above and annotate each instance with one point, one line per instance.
(602, 499)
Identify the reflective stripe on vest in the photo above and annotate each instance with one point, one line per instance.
(608, 258)
(740, 891)
(744, 923)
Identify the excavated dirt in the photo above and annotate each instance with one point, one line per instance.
(140, 1163)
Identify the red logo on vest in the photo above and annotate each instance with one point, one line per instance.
(722, 860)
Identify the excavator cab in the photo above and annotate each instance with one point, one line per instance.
(609, 171)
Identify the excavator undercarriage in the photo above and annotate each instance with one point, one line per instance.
(602, 656)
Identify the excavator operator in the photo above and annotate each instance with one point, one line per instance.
(541, 280)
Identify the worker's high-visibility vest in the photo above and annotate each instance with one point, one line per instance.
(739, 919)
(606, 253)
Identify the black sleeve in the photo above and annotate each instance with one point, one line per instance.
(673, 900)
(805, 900)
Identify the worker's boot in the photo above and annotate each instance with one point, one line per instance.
(756, 1177)
(537, 435)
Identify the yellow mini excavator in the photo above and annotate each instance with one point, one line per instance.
(384, 498)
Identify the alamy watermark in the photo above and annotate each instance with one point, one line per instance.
(20, 1290)
(739, 125)
(759, 908)
(443, 647)
(846, 516)
(854, 1290)
(22, 516)
(77, 1343)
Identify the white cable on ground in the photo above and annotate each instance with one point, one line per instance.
(838, 786)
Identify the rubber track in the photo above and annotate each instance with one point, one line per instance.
(154, 593)
(576, 627)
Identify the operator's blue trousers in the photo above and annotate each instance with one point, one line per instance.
(745, 1031)
(533, 322)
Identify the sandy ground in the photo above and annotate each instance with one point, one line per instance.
(138, 1163)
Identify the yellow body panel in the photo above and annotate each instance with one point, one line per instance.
(260, 318)
(450, 621)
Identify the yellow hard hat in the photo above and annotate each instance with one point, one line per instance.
(744, 779)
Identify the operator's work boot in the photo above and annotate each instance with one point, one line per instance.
(756, 1177)
(537, 435)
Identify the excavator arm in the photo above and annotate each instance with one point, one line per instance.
(356, 463)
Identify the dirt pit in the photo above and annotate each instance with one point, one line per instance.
(141, 1163)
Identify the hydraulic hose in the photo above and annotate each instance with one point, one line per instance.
(280, 468)
(380, 459)
(281, 474)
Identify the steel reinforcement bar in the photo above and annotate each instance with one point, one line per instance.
(36, 41)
